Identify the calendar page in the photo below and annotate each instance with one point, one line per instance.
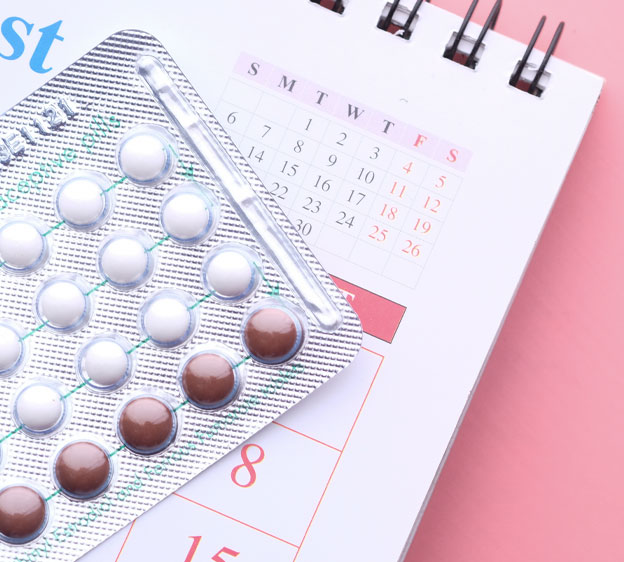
(422, 186)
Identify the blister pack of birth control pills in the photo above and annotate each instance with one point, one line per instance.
(157, 309)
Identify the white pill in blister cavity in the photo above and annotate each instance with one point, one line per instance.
(105, 362)
(21, 245)
(81, 202)
(10, 348)
(232, 272)
(143, 157)
(229, 273)
(39, 407)
(124, 261)
(167, 320)
(185, 216)
(62, 304)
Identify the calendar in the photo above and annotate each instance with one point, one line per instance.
(420, 165)
(347, 175)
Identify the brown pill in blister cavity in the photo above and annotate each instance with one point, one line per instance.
(23, 513)
(272, 335)
(209, 381)
(147, 425)
(82, 469)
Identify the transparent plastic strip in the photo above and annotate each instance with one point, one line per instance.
(239, 192)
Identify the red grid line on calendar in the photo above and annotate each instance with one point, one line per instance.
(125, 541)
(233, 519)
(368, 198)
(313, 506)
(307, 436)
(341, 453)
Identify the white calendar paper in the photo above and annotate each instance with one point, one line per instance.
(421, 185)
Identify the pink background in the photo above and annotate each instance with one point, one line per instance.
(537, 470)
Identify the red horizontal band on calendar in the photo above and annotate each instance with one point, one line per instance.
(380, 316)
(385, 126)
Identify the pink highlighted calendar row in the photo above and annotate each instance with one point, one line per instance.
(322, 99)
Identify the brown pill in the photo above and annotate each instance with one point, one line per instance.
(23, 513)
(209, 381)
(82, 469)
(272, 336)
(147, 425)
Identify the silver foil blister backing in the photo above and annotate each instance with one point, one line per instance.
(101, 85)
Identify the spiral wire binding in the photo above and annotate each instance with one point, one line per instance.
(534, 87)
(403, 31)
(338, 5)
(471, 60)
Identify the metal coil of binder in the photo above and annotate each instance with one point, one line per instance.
(471, 58)
(535, 86)
(397, 27)
(400, 21)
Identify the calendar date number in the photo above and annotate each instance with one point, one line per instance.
(289, 169)
(422, 226)
(324, 184)
(389, 212)
(356, 197)
(218, 557)
(366, 176)
(411, 249)
(312, 205)
(378, 234)
(432, 204)
(345, 220)
(278, 190)
(304, 228)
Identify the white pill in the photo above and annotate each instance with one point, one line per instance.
(124, 261)
(81, 202)
(62, 304)
(39, 407)
(185, 217)
(10, 348)
(143, 157)
(105, 362)
(167, 320)
(229, 273)
(21, 245)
